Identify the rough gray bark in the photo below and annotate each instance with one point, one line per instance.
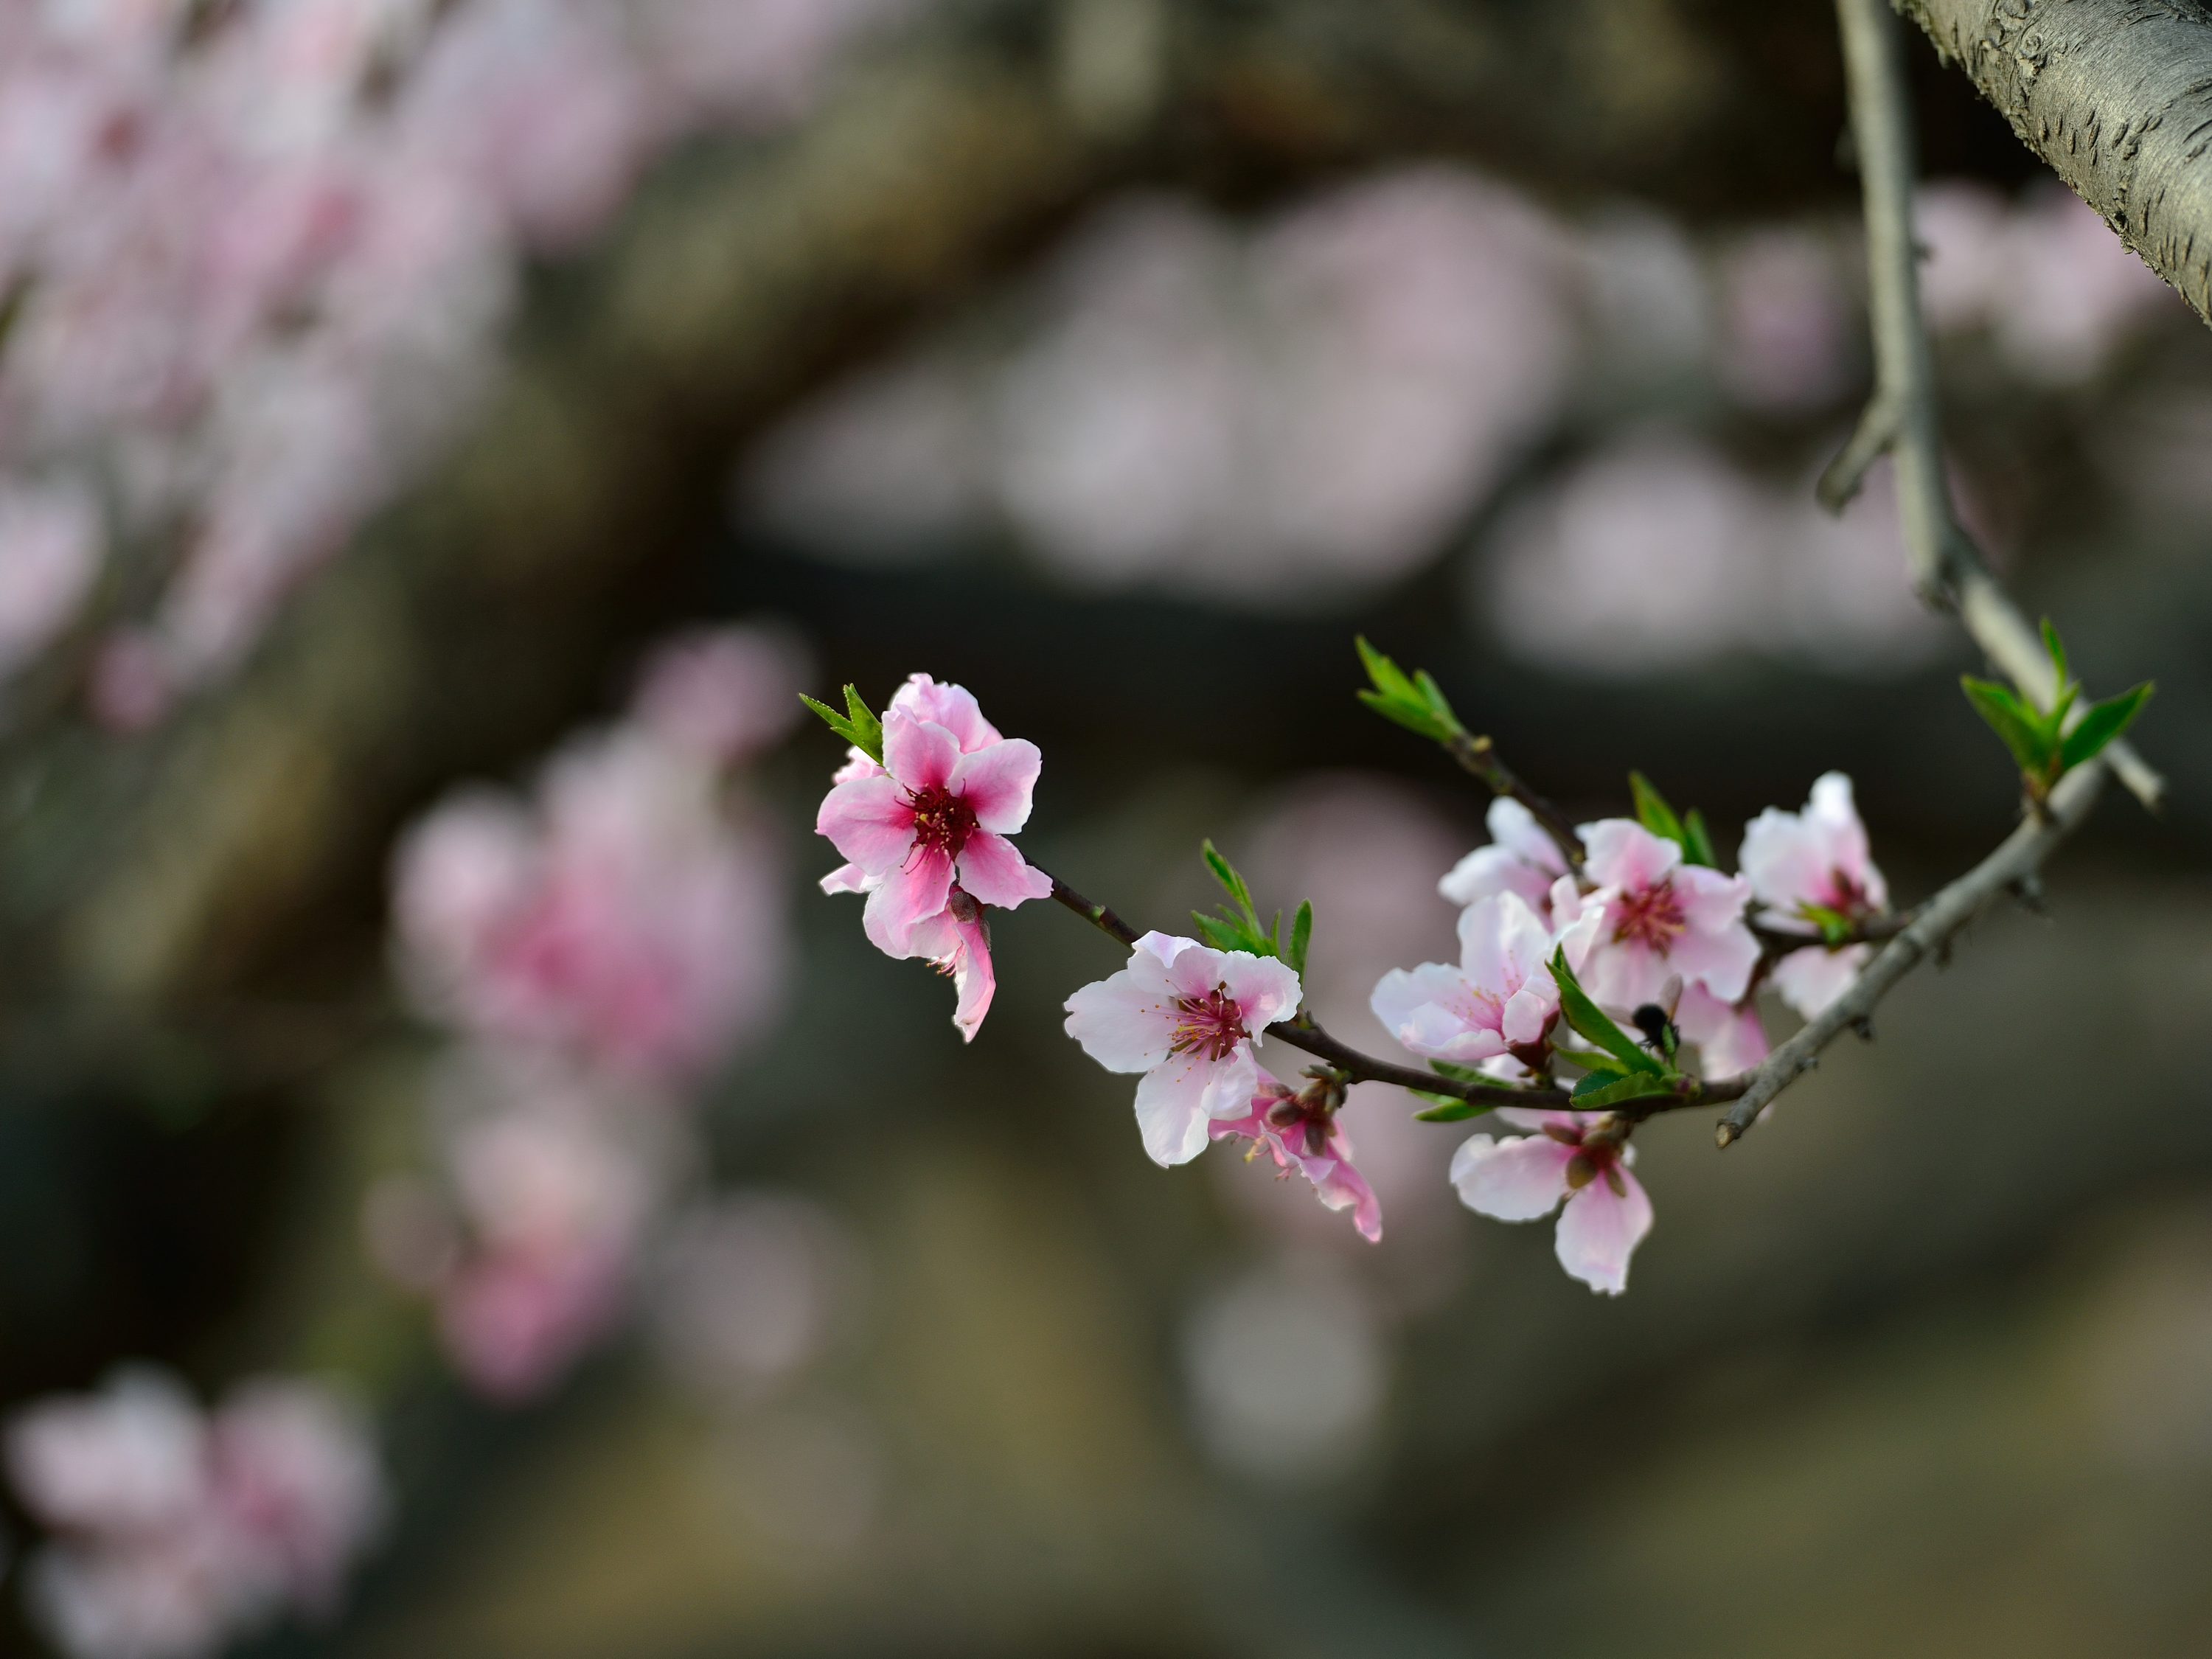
(2116, 96)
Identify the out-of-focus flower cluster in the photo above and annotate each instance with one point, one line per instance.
(596, 950)
(174, 1530)
(254, 258)
(1280, 412)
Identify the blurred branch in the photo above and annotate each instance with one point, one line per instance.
(2115, 96)
(1903, 417)
(2020, 856)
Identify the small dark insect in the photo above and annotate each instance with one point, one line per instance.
(1657, 1019)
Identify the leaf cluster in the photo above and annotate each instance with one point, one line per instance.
(1687, 831)
(1621, 1069)
(2039, 742)
(1235, 925)
(858, 724)
(1414, 701)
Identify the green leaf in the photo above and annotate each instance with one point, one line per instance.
(1448, 1108)
(2104, 721)
(1231, 882)
(857, 725)
(1592, 1060)
(1414, 717)
(1836, 927)
(1228, 933)
(2012, 721)
(1390, 679)
(1698, 841)
(1433, 695)
(1615, 1092)
(1301, 937)
(2057, 650)
(1459, 1073)
(1594, 1024)
(1653, 812)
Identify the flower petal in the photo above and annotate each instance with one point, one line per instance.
(953, 707)
(1265, 988)
(1599, 1230)
(996, 783)
(1721, 961)
(846, 878)
(1517, 1179)
(1622, 852)
(995, 873)
(1176, 1102)
(1730, 1039)
(1127, 1022)
(920, 754)
(910, 893)
(1811, 979)
(869, 820)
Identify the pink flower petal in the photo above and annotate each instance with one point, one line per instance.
(1599, 1230)
(869, 820)
(919, 754)
(846, 878)
(910, 893)
(953, 707)
(1729, 1038)
(1266, 989)
(1622, 852)
(1125, 1022)
(1809, 980)
(1517, 1179)
(995, 873)
(956, 942)
(1176, 1102)
(1721, 961)
(996, 783)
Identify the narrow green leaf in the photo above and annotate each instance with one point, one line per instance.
(2010, 720)
(1448, 1108)
(1232, 884)
(2052, 725)
(1698, 841)
(1223, 932)
(1592, 1060)
(1594, 1024)
(1433, 695)
(1653, 812)
(1301, 937)
(1459, 1073)
(2104, 721)
(2057, 650)
(830, 718)
(1411, 715)
(1616, 1091)
(1389, 678)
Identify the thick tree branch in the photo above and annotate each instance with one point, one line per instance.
(2115, 95)
(1903, 416)
(2017, 858)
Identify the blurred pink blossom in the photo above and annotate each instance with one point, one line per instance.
(1786, 336)
(176, 1531)
(623, 917)
(50, 545)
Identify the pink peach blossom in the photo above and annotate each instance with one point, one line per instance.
(1309, 1139)
(1817, 860)
(1185, 1016)
(1521, 1177)
(1521, 858)
(1499, 1000)
(956, 942)
(938, 810)
(1659, 918)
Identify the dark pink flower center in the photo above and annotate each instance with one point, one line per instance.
(942, 820)
(1648, 915)
(1847, 897)
(1212, 1025)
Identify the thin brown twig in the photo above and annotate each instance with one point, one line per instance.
(1478, 756)
(1903, 417)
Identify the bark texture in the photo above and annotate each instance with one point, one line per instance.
(2116, 96)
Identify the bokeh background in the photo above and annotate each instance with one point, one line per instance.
(437, 438)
